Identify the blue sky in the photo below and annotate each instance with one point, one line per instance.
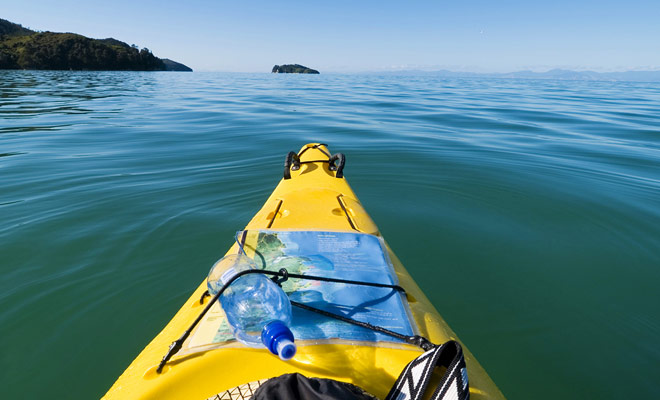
(352, 36)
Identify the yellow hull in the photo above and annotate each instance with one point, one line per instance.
(313, 199)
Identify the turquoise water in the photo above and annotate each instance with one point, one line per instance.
(528, 211)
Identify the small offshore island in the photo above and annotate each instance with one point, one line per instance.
(293, 69)
(22, 48)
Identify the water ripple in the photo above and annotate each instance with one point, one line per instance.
(119, 190)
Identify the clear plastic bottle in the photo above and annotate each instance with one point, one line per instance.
(258, 310)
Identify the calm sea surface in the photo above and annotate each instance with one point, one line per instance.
(527, 210)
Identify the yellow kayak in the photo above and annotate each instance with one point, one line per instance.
(313, 202)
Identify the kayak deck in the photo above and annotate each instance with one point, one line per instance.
(313, 199)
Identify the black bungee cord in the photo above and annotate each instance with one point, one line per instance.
(293, 162)
(281, 276)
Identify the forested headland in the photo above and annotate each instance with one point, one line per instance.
(22, 48)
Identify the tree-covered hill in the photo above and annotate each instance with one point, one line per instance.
(10, 28)
(21, 48)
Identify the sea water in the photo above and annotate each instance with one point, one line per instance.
(527, 210)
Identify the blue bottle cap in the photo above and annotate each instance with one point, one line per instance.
(278, 338)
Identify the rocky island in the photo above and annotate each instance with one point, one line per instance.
(22, 48)
(293, 69)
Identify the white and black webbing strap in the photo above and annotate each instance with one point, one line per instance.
(415, 377)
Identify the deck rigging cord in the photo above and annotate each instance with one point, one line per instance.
(281, 276)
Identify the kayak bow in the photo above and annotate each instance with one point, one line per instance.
(313, 201)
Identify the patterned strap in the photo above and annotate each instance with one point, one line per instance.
(415, 377)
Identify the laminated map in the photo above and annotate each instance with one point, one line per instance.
(342, 255)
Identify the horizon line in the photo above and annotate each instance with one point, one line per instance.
(453, 71)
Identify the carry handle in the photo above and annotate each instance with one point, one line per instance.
(335, 162)
(292, 162)
(339, 167)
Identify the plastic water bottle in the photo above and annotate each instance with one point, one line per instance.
(258, 310)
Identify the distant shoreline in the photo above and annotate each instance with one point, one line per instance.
(554, 74)
(642, 77)
(25, 49)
